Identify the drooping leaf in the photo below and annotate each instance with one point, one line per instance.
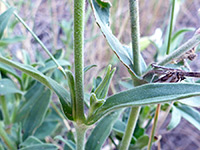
(4, 18)
(101, 132)
(175, 119)
(41, 147)
(124, 53)
(50, 83)
(190, 114)
(8, 87)
(145, 95)
(89, 67)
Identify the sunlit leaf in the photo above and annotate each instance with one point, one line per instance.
(175, 119)
(145, 95)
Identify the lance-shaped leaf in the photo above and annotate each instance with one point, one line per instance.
(41, 146)
(145, 95)
(50, 83)
(175, 119)
(8, 87)
(102, 131)
(124, 53)
(4, 18)
(190, 114)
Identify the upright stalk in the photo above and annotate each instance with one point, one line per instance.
(4, 107)
(79, 13)
(135, 35)
(80, 136)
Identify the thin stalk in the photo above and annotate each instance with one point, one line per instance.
(6, 139)
(154, 126)
(4, 107)
(79, 14)
(195, 40)
(37, 39)
(130, 128)
(171, 26)
(80, 136)
(135, 35)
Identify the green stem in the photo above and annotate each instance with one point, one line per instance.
(154, 126)
(6, 139)
(135, 35)
(195, 40)
(37, 39)
(5, 110)
(80, 136)
(130, 128)
(171, 27)
(79, 13)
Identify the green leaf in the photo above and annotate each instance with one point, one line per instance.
(144, 43)
(145, 95)
(102, 131)
(119, 129)
(89, 67)
(69, 145)
(50, 65)
(8, 87)
(175, 119)
(35, 109)
(192, 101)
(190, 114)
(102, 89)
(6, 41)
(31, 140)
(140, 144)
(50, 83)
(4, 18)
(41, 147)
(124, 53)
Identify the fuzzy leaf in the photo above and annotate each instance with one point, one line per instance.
(102, 131)
(124, 53)
(50, 83)
(175, 119)
(145, 95)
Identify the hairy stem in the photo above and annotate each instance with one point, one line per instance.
(79, 13)
(130, 128)
(80, 136)
(135, 35)
(195, 40)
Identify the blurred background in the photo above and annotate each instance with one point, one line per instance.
(52, 21)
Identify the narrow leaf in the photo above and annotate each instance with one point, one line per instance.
(145, 95)
(124, 53)
(4, 18)
(89, 67)
(50, 83)
(190, 114)
(175, 119)
(41, 147)
(102, 131)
